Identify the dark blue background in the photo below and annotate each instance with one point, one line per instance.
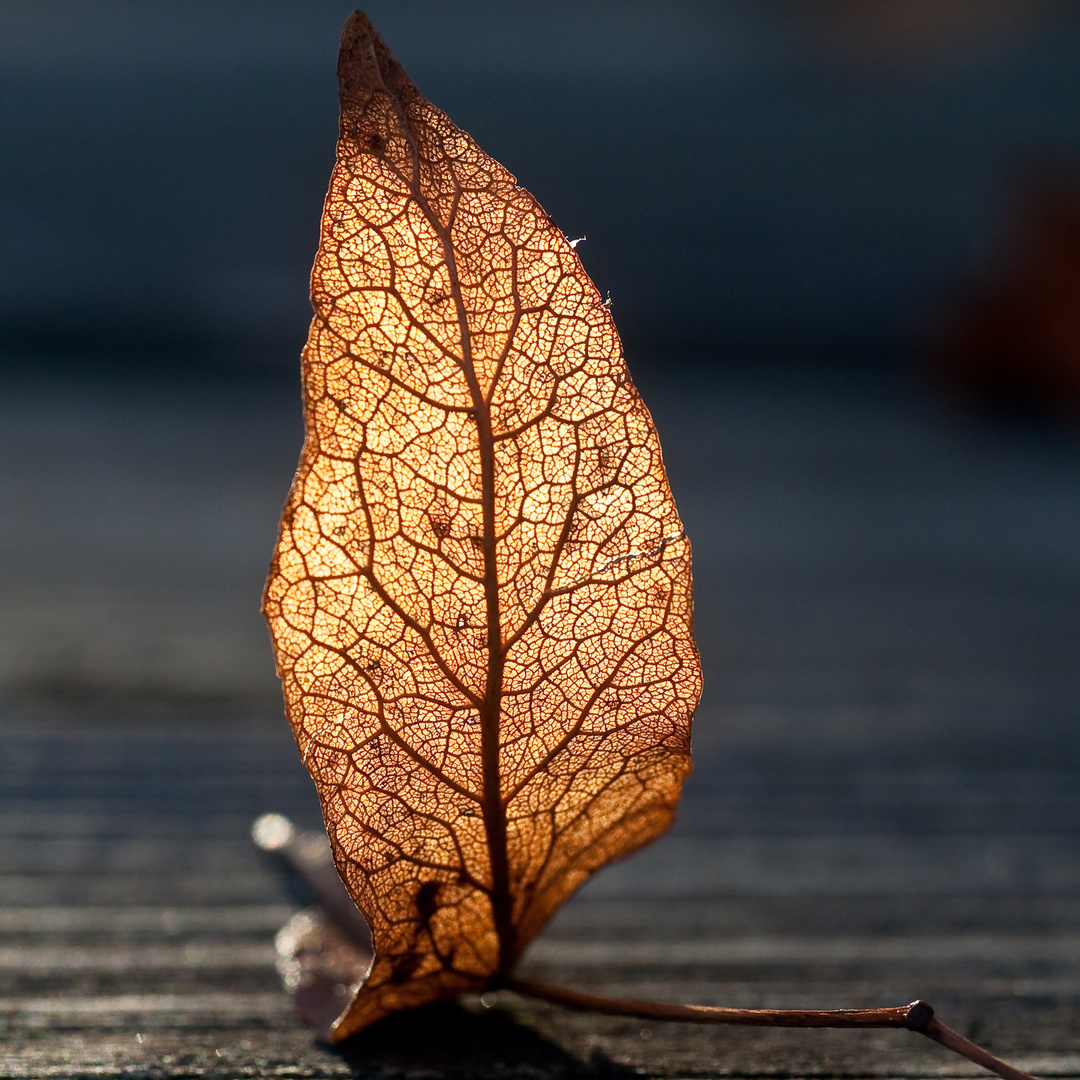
(755, 177)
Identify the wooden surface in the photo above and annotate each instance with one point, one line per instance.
(886, 802)
(137, 921)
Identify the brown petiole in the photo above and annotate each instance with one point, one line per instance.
(918, 1016)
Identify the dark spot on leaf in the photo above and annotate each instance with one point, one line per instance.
(427, 897)
(404, 968)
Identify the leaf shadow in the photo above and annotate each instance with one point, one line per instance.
(452, 1041)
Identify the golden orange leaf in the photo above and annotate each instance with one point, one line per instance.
(480, 598)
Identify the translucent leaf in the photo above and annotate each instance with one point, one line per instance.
(480, 598)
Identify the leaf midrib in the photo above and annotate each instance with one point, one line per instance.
(493, 807)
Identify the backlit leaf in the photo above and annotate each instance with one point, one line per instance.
(480, 598)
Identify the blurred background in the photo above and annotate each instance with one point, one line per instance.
(842, 242)
(779, 197)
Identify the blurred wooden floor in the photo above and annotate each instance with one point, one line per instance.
(885, 803)
(137, 920)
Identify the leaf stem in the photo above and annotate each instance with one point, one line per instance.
(917, 1016)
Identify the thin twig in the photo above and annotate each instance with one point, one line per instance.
(912, 1016)
(937, 1031)
(917, 1016)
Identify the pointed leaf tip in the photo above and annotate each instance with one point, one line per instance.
(365, 64)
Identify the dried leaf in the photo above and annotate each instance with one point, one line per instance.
(480, 598)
